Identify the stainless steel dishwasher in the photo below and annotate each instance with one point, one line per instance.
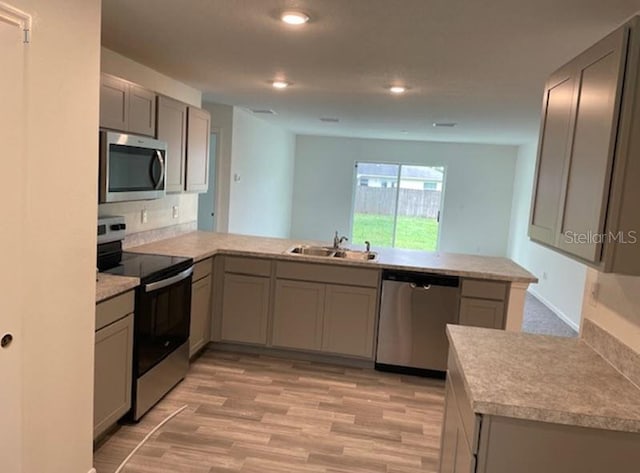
(414, 311)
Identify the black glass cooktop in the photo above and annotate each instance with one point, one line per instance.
(149, 268)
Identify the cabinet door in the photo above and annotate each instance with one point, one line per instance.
(198, 135)
(112, 374)
(455, 452)
(200, 314)
(600, 71)
(245, 308)
(114, 103)
(172, 129)
(142, 111)
(481, 313)
(555, 129)
(349, 320)
(297, 317)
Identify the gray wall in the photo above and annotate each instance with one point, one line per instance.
(477, 196)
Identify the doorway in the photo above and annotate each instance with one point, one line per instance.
(207, 201)
(398, 205)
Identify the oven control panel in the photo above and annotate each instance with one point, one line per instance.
(111, 228)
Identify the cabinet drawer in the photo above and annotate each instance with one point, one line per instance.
(334, 274)
(484, 289)
(470, 421)
(251, 266)
(201, 269)
(113, 309)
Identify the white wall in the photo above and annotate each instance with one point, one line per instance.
(562, 288)
(222, 122)
(478, 189)
(262, 156)
(159, 212)
(52, 202)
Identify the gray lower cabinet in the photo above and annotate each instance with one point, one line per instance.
(113, 361)
(481, 313)
(473, 443)
(297, 316)
(201, 289)
(483, 303)
(455, 455)
(349, 320)
(245, 308)
(325, 308)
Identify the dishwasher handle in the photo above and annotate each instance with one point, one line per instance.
(425, 287)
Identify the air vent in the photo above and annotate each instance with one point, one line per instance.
(329, 120)
(263, 111)
(444, 124)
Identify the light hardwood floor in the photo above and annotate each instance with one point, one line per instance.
(259, 414)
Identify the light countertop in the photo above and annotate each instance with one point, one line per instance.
(109, 285)
(543, 378)
(201, 245)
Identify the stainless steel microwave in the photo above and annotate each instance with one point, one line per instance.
(131, 167)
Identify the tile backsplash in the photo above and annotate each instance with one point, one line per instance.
(160, 213)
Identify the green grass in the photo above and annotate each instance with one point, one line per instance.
(412, 232)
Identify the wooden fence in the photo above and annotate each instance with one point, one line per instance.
(411, 202)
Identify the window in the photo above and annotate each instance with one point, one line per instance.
(403, 210)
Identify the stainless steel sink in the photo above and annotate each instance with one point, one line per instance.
(356, 255)
(330, 252)
(312, 250)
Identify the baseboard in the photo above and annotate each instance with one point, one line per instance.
(555, 310)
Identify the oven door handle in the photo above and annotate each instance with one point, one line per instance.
(154, 286)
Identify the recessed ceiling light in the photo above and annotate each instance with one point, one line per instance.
(444, 124)
(280, 84)
(294, 17)
(263, 111)
(397, 89)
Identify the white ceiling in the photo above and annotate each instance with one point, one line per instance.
(480, 63)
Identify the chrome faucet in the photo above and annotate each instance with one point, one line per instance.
(338, 240)
(367, 245)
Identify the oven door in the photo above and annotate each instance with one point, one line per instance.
(163, 313)
(131, 167)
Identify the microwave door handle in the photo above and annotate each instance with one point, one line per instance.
(154, 286)
(160, 159)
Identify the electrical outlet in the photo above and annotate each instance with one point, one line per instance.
(175, 211)
(143, 216)
(594, 289)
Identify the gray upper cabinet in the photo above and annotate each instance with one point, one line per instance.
(554, 137)
(585, 176)
(142, 111)
(126, 107)
(198, 136)
(114, 103)
(172, 129)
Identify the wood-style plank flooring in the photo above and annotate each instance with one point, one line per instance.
(259, 414)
